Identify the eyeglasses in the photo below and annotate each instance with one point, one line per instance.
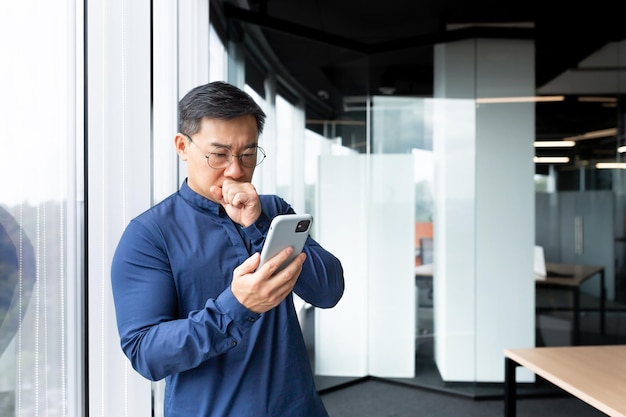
(221, 157)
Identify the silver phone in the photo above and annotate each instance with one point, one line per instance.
(286, 230)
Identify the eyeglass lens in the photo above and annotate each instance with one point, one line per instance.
(221, 157)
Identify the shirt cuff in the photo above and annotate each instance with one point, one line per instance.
(256, 232)
(241, 316)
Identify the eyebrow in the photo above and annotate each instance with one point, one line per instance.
(221, 145)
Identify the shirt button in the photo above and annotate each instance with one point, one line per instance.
(233, 344)
(251, 319)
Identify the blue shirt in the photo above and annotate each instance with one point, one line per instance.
(178, 319)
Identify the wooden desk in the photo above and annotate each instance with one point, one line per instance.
(595, 374)
(571, 277)
(425, 270)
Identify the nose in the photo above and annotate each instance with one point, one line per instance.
(234, 170)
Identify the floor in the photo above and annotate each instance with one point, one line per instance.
(376, 398)
(554, 327)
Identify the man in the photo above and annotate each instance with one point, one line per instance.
(191, 305)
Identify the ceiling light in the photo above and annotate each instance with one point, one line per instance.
(516, 25)
(530, 99)
(554, 144)
(387, 90)
(335, 122)
(551, 159)
(611, 165)
(598, 99)
(323, 94)
(595, 134)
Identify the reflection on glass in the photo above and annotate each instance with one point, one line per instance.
(37, 163)
(17, 277)
(403, 125)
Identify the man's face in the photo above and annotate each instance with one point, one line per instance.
(238, 135)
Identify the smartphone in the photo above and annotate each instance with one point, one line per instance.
(286, 230)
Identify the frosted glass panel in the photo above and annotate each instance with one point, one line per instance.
(341, 332)
(391, 272)
(366, 218)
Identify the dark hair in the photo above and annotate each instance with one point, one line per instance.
(216, 100)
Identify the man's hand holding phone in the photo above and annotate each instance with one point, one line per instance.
(264, 280)
(260, 289)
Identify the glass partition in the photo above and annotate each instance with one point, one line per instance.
(404, 125)
(399, 126)
(580, 216)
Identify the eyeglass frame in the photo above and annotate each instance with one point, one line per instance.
(232, 155)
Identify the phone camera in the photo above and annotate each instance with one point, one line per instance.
(303, 226)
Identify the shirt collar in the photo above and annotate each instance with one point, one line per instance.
(197, 200)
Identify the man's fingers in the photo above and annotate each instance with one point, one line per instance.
(249, 265)
(217, 192)
(237, 193)
(272, 264)
(264, 290)
(291, 272)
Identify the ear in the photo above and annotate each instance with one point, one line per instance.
(181, 143)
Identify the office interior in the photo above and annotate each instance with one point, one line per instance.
(436, 144)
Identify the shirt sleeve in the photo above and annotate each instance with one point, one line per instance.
(321, 282)
(157, 341)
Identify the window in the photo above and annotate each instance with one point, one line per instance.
(40, 209)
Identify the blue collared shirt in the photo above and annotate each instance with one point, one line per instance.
(179, 320)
